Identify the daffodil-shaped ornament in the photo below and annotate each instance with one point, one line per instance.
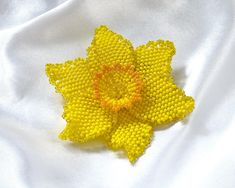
(118, 94)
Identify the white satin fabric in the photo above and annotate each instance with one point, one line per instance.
(197, 153)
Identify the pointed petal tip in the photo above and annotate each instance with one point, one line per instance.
(102, 28)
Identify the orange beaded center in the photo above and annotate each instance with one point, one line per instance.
(117, 86)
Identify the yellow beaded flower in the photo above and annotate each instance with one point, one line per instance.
(119, 94)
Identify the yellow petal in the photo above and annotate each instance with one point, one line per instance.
(162, 101)
(130, 135)
(71, 78)
(109, 48)
(154, 58)
(86, 120)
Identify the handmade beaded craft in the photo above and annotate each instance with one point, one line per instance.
(118, 94)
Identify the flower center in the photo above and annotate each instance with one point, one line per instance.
(117, 86)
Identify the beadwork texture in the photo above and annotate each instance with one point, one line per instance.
(118, 94)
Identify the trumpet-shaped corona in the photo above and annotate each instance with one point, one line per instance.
(117, 86)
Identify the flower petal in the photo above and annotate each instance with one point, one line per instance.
(109, 48)
(162, 101)
(86, 120)
(71, 78)
(130, 135)
(154, 58)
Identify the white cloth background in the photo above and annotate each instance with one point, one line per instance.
(197, 153)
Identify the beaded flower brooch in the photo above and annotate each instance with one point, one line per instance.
(118, 94)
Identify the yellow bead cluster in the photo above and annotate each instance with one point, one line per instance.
(85, 120)
(163, 102)
(66, 77)
(131, 135)
(108, 48)
(117, 86)
(118, 94)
